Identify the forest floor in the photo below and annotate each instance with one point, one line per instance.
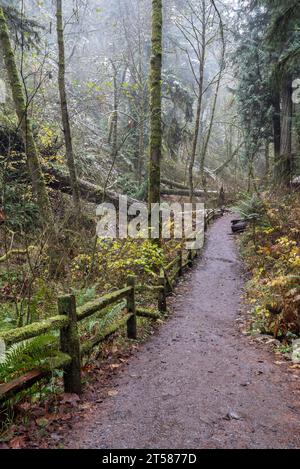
(199, 382)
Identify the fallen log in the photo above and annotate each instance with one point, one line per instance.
(22, 383)
(94, 194)
(175, 184)
(238, 226)
(88, 191)
(9, 390)
(59, 180)
(186, 192)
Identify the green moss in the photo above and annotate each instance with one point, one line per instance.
(33, 330)
(101, 303)
(148, 313)
(155, 103)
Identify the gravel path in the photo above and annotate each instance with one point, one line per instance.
(199, 383)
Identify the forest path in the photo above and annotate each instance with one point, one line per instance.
(198, 382)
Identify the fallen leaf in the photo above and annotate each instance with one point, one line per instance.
(18, 442)
(112, 393)
(70, 398)
(115, 365)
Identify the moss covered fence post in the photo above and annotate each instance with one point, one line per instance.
(131, 308)
(69, 343)
(162, 298)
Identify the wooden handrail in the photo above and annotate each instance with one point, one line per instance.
(101, 303)
(172, 263)
(15, 336)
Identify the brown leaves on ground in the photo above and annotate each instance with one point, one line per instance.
(45, 424)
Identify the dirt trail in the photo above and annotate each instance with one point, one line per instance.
(179, 388)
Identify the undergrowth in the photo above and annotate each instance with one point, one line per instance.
(271, 249)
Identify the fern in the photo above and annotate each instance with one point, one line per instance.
(252, 209)
(96, 324)
(26, 355)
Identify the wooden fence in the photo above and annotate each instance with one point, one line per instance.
(71, 352)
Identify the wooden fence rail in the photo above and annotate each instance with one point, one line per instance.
(69, 357)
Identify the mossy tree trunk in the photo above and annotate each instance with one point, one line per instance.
(276, 130)
(267, 160)
(115, 115)
(64, 107)
(37, 178)
(285, 165)
(155, 103)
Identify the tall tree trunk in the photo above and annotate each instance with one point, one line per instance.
(276, 131)
(196, 137)
(64, 107)
(285, 166)
(215, 99)
(115, 118)
(141, 146)
(155, 103)
(37, 178)
(199, 102)
(267, 160)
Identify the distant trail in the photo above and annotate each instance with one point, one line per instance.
(178, 389)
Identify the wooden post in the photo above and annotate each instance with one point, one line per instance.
(131, 323)
(190, 258)
(180, 263)
(162, 296)
(69, 343)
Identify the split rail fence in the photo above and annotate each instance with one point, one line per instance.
(69, 357)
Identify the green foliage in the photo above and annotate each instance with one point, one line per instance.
(8, 318)
(16, 199)
(131, 187)
(252, 209)
(274, 263)
(26, 356)
(95, 325)
(116, 259)
(84, 295)
(252, 64)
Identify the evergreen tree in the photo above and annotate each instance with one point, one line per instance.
(268, 45)
(254, 95)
